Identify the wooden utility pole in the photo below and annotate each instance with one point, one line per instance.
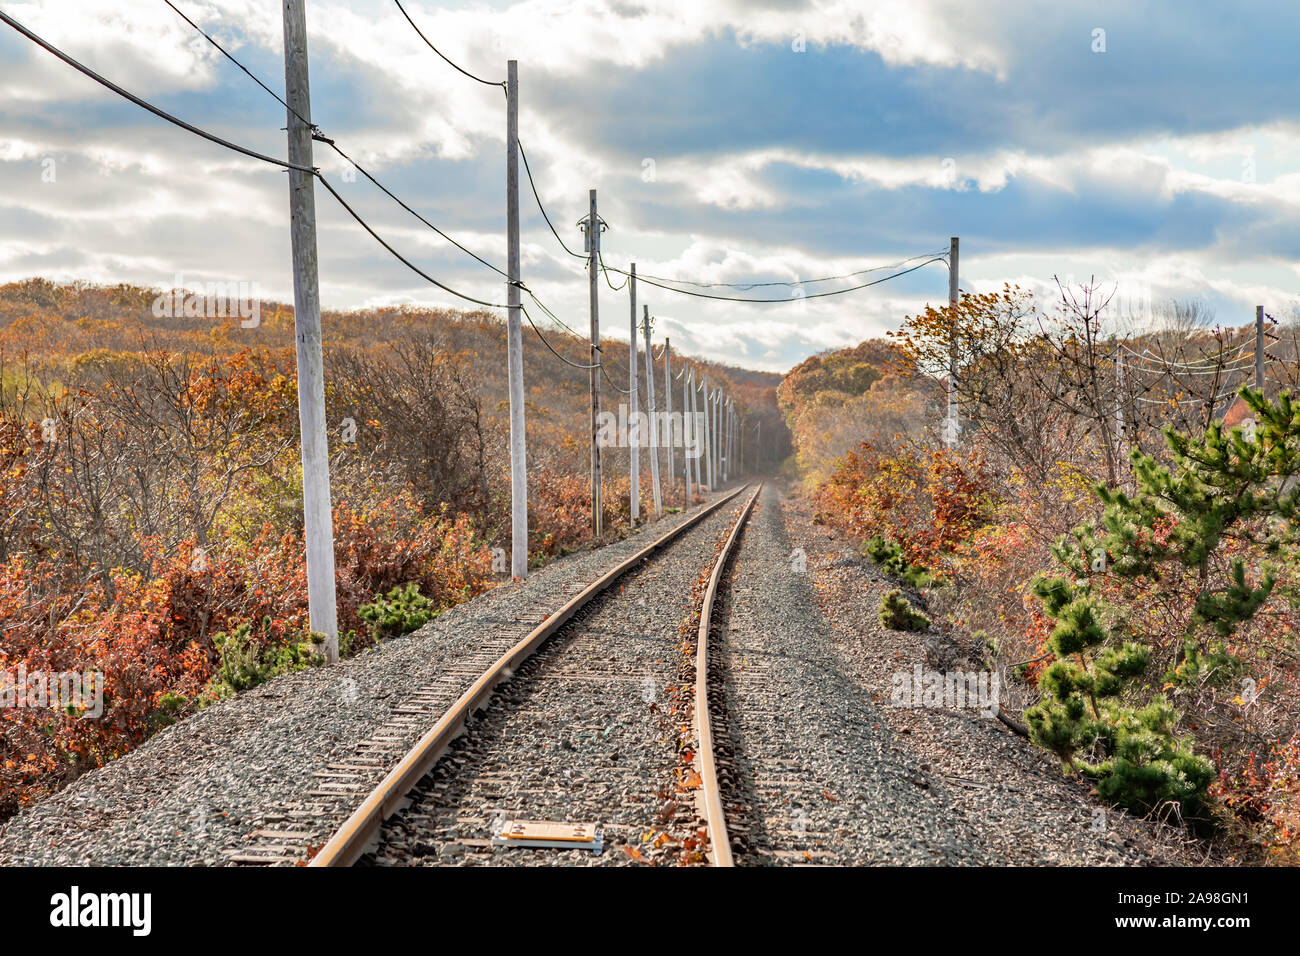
(733, 468)
(697, 429)
(758, 444)
(722, 438)
(318, 519)
(950, 432)
(689, 438)
(717, 436)
(514, 337)
(593, 268)
(668, 410)
(634, 407)
(708, 435)
(717, 431)
(731, 438)
(650, 411)
(724, 420)
(1259, 348)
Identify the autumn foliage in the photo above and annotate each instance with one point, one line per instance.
(1187, 570)
(151, 496)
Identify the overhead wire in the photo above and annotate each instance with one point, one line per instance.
(611, 383)
(231, 57)
(320, 137)
(143, 104)
(446, 59)
(600, 256)
(745, 286)
(533, 185)
(284, 164)
(1222, 359)
(397, 255)
(566, 361)
(469, 252)
(788, 299)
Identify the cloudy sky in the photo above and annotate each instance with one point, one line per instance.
(1152, 145)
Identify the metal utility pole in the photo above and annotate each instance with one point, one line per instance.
(689, 438)
(514, 337)
(1259, 348)
(650, 409)
(950, 428)
(634, 408)
(593, 266)
(318, 520)
(668, 410)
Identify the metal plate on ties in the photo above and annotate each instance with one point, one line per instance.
(551, 834)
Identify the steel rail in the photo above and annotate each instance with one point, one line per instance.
(351, 840)
(719, 840)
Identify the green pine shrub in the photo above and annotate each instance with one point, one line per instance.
(889, 556)
(246, 661)
(1182, 533)
(404, 610)
(897, 613)
(1139, 762)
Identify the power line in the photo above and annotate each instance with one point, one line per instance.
(1219, 361)
(441, 54)
(163, 114)
(319, 137)
(745, 286)
(469, 252)
(109, 84)
(813, 295)
(611, 382)
(1190, 401)
(1226, 370)
(566, 361)
(605, 272)
(397, 255)
(551, 315)
(529, 170)
(230, 56)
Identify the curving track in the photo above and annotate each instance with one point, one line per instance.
(578, 731)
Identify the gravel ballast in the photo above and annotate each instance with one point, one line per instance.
(580, 735)
(191, 794)
(820, 765)
(995, 797)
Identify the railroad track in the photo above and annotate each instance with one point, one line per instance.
(582, 744)
(356, 794)
(709, 704)
(760, 796)
(581, 741)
